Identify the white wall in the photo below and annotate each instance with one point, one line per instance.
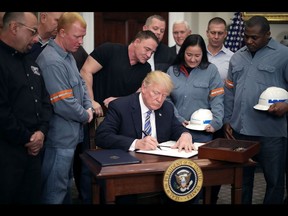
(198, 22)
(278, 31)
(88, 43)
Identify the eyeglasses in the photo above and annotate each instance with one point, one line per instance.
(33, 30)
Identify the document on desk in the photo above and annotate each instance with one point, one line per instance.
(166, 150)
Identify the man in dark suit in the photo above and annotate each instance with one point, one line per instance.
(180, 31)
(124, 124)
(124, 128)
(163, 57)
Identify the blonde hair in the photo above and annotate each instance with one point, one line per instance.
(160, 78)
(68, 18)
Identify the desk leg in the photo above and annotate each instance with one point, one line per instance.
(95, 192)
(110, 197)
(104, 191)
(236, 190)
(207, 195)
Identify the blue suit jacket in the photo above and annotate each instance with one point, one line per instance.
(123, 124)
(163, 57)
(173, 49)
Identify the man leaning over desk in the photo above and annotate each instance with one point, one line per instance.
(124, 124)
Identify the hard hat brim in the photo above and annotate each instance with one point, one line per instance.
(196, 127)
(261, 107)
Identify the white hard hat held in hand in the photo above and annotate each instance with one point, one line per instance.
(269, 96)
(199, 119)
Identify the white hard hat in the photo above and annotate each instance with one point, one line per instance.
(199, 119)
(269, 96)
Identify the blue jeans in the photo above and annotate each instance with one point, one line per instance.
(82, 174)
(57, 176)
(271, 158)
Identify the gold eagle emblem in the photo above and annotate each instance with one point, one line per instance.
(183, 179)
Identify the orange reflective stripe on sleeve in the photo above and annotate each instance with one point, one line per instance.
(61, 95)
(229, 84)
(217, 91)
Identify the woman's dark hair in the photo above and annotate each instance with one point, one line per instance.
(193, 40)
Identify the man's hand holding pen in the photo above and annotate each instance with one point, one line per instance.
(147, 143)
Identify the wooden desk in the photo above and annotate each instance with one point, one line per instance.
(147, 176)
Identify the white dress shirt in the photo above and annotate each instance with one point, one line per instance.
(144, 110)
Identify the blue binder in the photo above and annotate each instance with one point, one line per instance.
(110, 157)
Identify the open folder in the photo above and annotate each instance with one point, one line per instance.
(166, 150)
(109, 157)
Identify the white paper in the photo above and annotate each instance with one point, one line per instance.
(166, 150)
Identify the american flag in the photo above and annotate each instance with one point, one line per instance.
(234, 39)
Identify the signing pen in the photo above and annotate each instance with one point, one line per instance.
(144, 132)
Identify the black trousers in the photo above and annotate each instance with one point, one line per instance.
(20, 181)
(216, 189)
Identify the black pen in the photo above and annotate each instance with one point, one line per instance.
(144, 132)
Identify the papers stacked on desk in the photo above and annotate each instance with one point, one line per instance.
(166, 150)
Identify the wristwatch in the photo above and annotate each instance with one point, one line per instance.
(93, 110)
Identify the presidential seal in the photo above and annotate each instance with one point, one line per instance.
(182, 180)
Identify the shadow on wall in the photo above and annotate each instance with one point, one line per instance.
(284, 41)
(282, 35)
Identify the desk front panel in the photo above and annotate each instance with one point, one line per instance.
(147, 176)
